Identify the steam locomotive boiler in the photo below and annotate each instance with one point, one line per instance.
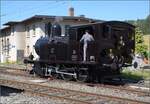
(62, 56)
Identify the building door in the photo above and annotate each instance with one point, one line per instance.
(20, 55)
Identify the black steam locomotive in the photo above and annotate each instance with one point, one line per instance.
(62, 56)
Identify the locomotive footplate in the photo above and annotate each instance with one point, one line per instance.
(63, 62)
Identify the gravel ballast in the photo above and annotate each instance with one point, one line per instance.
(15, 96)
(81, 87)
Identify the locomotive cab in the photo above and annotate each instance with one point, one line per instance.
(75, 36)
(113, 44)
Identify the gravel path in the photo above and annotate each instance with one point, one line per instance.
(14, 96)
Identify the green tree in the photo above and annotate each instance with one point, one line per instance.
(143, 24)
(147, 25)
(140, 48)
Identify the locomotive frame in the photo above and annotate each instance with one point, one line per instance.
(61, 57)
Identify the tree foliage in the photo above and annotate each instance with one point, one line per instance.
(140, 48)
(147, 25)
(143, 24)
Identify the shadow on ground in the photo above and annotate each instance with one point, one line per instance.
(7, 91)
(123, 80)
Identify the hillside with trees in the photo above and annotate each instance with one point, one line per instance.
(142, 24)
(142, 29)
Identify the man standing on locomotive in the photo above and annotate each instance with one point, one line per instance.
(86, 38)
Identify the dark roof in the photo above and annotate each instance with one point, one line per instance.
(52, 17)
(3, 31)
(5, 28)
(64, 17)
(121, 22)
(106, 22)
(11, 23)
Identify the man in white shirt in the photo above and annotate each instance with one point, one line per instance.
(86, 38)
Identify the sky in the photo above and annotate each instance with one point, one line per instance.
(17, 10)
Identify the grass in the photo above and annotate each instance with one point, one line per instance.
(136, 74)
(146, 40)
(12, 63)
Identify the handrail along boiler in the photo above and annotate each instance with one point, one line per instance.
(62, 56)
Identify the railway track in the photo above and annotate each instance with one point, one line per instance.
(15, 71)
(11, 68)
(119, 88)
(72, 96)
(25, 73)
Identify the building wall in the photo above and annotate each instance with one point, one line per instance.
(32, 35)
(70, 23)
(13, 44)
(4, 46)
(0, 49)
(20, 41)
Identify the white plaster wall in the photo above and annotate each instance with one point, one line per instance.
(4, 56)
(13, 56)
(20, 36)
(30, 41)
(17, 42)
(0, 49)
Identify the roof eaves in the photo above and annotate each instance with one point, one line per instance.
(11, 23)
(38, 17)
(4, 28)
(52, 17)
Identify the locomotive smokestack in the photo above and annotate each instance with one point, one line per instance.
(71, 11)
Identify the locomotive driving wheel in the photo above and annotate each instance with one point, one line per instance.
(55, 75)
(82, 75)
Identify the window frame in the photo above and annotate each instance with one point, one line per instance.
(28, 31)
(34, 30)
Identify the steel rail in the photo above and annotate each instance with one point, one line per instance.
(5, 82)
(121, 88)
(6, 67)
